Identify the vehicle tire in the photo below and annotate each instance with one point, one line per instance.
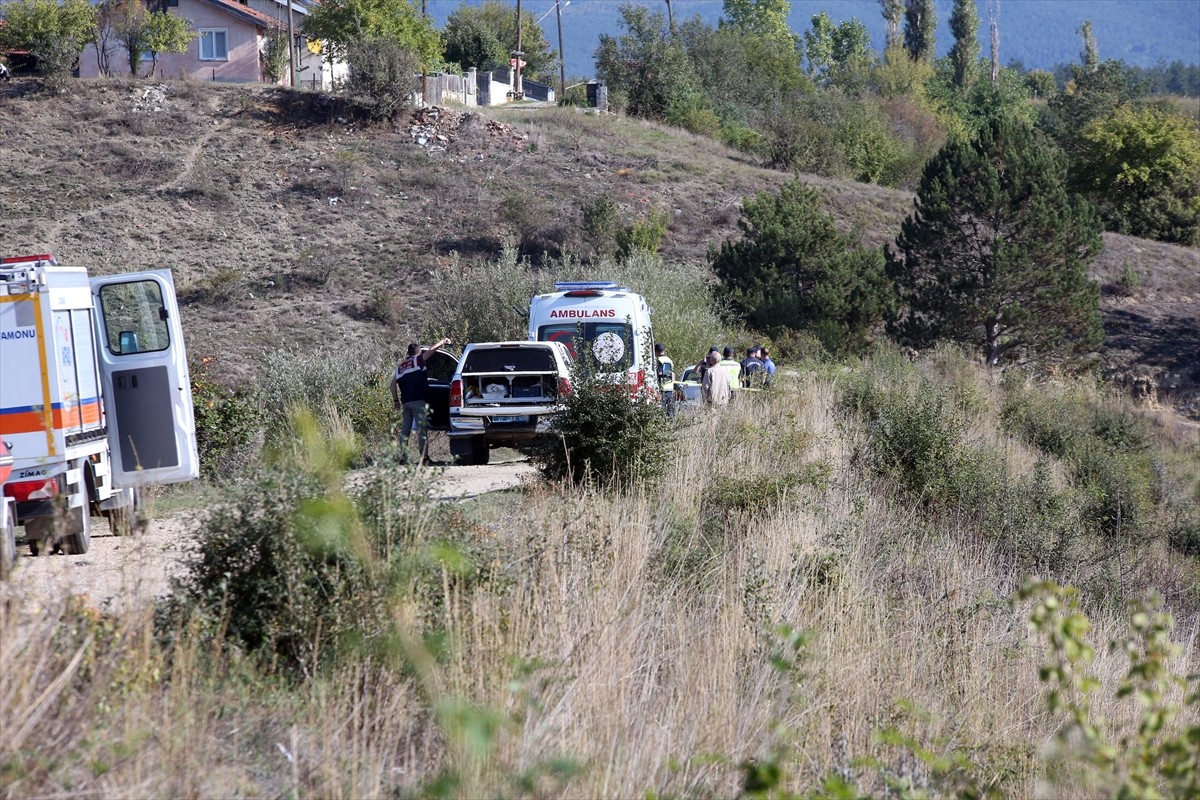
(78, 538)
(39, 534)
(123, 521)
(480, 453)
(8, 549)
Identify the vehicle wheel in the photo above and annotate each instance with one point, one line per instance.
(39, 534)
(78, 538)
(123, 521)
(479, 451)
(8, 549)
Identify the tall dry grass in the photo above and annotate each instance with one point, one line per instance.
(632, 635)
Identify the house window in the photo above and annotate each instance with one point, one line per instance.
(214, 45)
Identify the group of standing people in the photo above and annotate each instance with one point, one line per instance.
(721, 375)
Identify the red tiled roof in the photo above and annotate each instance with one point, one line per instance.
(245, 12)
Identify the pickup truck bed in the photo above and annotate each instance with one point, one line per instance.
(504, 393)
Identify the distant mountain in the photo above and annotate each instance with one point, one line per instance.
(1037, 33)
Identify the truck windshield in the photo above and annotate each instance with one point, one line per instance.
(607, 345)
(510, 359)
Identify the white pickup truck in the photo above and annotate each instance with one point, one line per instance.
(505, 393)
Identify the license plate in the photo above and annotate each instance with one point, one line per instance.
(524, 418)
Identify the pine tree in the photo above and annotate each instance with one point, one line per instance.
(793, 270)
(995, 253)
(964, 24)
(920, 29)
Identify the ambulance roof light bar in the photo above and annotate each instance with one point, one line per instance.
(34, 260)
(588, 288)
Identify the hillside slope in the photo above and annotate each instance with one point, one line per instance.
(289, 227)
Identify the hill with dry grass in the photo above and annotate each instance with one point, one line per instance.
(290, 226)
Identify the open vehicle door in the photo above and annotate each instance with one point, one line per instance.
(440, 370)
(144, 374)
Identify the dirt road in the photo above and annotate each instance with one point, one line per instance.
(120, 570)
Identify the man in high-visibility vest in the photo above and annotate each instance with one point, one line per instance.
(666, 378)
(733, 368)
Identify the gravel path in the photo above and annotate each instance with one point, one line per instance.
(133, 569)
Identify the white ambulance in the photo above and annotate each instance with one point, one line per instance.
(605, 326)
(95, 397)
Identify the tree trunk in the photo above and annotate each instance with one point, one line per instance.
(992, 343)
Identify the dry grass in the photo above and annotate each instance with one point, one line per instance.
(632, 634)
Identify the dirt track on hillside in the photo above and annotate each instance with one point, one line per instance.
(117, 571)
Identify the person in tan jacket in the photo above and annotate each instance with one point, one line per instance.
(715, 388)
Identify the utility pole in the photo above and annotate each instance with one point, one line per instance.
(670, 18)
(424, 72)
(517, 89)
(291, 49)
(562, 63)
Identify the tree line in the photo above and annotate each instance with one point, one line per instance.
(822, 102)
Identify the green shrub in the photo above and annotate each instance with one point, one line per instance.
(741, 137)
(381, 77)
(1129, 282)
(1107, 450)
(692, 112)
(485, 301)
(353, 381)
(914, 431)
(296, 569)
(605, 438)
(1037, 526)
(227, 421)
(1118, 488)
(644, 235)
(1183, 534)
(275, 55)
(601, 221)
(756, 492)
(286, 589)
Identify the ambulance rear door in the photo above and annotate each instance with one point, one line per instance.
(144, 375)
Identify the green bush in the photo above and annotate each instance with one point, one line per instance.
(381, 77)
(1183, 534)
(352, 381)
(485, 301)
(268, 567)
(605, 438)
(1037, 526)
(915, 436)
(296, 568)
(1106, 448)
(692, 112)
(227, 422)
(601, 221)
(755, 492)
(644, 235)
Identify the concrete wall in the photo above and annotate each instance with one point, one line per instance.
(492, 88)
(447, 88)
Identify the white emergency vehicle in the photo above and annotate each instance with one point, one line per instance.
(605, 326)
(95, 397)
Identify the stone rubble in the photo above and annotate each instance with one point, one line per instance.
(435, 127)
